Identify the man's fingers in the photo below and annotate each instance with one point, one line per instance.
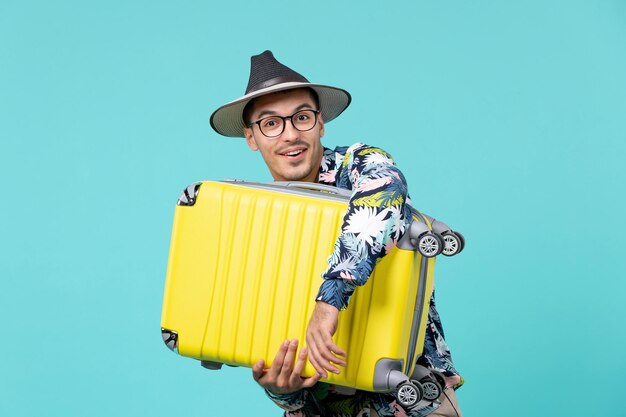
(334, 351)
(326, 350)
(314, 357)
(299, 366)
(323, 359)
(297, 371)
(317, 357)
(279, 359)
(338, 351)
(257, 370)
(329, 346)
(309, 382)
(284, 375)
(328, 365)
(330, 350)
(289, 357)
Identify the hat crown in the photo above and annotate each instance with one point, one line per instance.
(267, 75)
(266, 71)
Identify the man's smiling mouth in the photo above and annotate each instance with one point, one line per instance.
(294, 153)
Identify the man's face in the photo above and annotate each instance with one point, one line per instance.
(293, 155)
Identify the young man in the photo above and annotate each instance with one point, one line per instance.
(283, 116)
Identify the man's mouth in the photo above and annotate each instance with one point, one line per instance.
(294, 154)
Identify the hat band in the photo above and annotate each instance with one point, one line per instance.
(277, 80)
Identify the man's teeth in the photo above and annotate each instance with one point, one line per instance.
(293, 153)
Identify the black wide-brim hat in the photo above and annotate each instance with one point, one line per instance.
(267, 75)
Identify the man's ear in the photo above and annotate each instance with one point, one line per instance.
(320, 120)
(250, 139)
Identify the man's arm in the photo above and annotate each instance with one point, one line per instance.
(324, 354)
(376, 218)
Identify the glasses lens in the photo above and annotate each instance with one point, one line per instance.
(304, 120)
(271, 126)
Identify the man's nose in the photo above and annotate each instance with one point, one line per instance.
(290, 132)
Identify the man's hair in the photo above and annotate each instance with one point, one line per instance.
(247, 111)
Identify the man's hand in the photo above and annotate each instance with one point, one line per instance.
(283, 377)
(323, 352)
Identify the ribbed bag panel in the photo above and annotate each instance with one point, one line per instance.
(268, 255)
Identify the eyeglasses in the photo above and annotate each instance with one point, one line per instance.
(274, 126)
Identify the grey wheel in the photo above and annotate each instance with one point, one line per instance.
(213, 366)
(429, 245)
(461, 240)
(170, 338)
(432, 391)
(451, 244)
(409, 394)
(441, 380)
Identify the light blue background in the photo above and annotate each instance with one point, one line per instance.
(508, 119)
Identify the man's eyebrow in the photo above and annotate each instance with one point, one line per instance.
(273, 113)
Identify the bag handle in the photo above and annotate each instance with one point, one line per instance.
(316, 187)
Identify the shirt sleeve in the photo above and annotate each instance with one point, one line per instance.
(376, 219)
(307, 402)
(289, 402)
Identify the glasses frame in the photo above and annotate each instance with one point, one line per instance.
(258, 122)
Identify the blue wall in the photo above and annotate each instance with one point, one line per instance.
(508, 119)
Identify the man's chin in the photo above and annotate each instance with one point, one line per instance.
(297, 176)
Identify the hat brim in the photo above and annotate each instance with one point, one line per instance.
(228, 121)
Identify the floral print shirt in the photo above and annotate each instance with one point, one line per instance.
(378, 215)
